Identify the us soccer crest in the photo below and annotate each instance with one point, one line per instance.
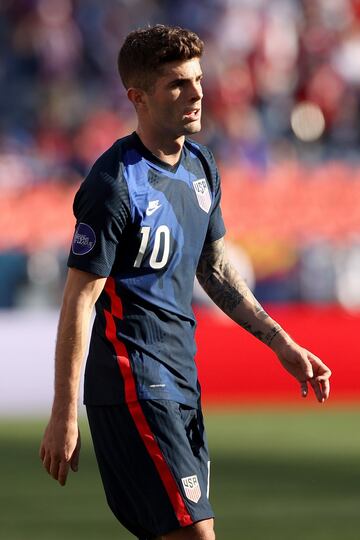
(202, 194)
(192, 488)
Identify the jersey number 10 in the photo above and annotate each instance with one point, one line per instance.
(162, 240)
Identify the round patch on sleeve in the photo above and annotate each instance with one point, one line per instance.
(84, 239)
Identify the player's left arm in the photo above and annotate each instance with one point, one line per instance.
(229, 291)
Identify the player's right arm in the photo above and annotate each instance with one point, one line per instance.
(60, 446)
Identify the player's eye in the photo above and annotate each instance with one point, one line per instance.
(178, 83)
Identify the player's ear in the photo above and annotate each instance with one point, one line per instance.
(136, 96)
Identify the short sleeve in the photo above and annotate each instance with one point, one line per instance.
(216, 228)
(102, 210)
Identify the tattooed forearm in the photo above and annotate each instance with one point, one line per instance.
(261, 313)
(225, 295)
(229, 291)
(219, 280)
(262, 335)
(257, 333)
(271, 334)
(222, 282)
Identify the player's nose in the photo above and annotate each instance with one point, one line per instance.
(196, 91)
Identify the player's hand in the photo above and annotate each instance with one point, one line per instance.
(60, 449)
(305, 367)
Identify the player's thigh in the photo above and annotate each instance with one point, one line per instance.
(203, 530)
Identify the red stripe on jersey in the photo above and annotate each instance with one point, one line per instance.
(136, 411)
(122, 358)
(116, 305)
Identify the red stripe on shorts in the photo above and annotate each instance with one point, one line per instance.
(135, 409)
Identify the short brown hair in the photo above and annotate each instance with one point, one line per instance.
(146, 50)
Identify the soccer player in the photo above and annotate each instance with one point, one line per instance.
(147, 219)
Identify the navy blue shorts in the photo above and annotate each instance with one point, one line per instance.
(154, 464)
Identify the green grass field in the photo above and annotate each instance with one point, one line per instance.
(290, 474)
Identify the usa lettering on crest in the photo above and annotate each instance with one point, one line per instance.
(192, 488)
(202, 194)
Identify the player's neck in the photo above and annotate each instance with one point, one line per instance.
(162, 146)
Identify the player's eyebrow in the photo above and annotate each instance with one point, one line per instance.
(182, 80)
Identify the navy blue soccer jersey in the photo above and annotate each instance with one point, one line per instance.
(142, 224)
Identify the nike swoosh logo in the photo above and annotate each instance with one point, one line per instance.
(152, 207)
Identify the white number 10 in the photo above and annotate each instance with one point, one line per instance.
(162, 238)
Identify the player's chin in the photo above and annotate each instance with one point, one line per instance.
(192, 127)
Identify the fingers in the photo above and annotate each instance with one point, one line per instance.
(325, 386)
(321, 382)
(56, 468)
(74, 462)
(42, 452)
(47, 462)
(304, 389)
(317, 390)
(307, 373)
(62, 472)
(321, 387)
(75, 459)
(60, 449)
(307, 367)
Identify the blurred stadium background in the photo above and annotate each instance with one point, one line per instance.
(282, 115)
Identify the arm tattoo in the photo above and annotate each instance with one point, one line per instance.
(261, 313)
(271, 334)
(219, 280)
(229, 291)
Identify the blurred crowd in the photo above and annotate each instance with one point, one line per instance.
(282, 83)
(62, 101)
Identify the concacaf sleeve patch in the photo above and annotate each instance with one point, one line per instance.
(84, 239)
